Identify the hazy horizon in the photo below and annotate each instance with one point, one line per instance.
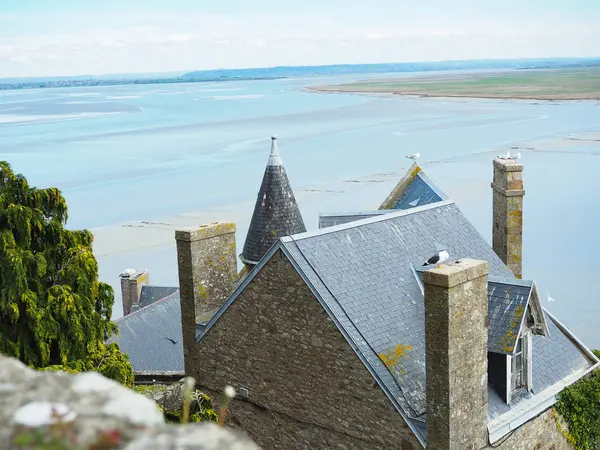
(44, 38)
(175, 73)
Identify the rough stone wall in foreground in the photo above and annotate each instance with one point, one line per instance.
(299, 383)
(93, 409)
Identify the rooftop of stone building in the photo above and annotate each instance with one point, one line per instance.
(151, 335)
(364, 270)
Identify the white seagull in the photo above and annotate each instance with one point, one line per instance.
(550, 299)
(516, 157)
(439, 258)
(414, 156)
(507, 156)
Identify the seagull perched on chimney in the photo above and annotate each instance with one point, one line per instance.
(507, 156)
(516, 157)
(414, 156)
(439, 258)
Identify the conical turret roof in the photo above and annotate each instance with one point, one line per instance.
(276, 212)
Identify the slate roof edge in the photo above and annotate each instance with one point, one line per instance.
(498, 428)
(432, 185)
(359, 213)
(405, 416)
(158, 286)
(569, 334)
(123, 318)
(391, 214)
(513, 419)
(510, 281)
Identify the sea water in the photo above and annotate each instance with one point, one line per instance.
(139, 153)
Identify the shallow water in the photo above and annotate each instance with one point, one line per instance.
(140, 153)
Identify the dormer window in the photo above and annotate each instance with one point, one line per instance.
(519, 366)
(518, 379)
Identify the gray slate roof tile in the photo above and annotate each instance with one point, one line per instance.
(151, 294)
(362, 271)
(144, 336)
(275, 215)
(421, 191)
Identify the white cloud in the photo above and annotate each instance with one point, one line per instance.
(150, 42)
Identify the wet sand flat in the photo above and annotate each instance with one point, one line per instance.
(555, 84)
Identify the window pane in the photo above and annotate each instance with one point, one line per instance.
(519, 361)
(519, 345)
(518, 379)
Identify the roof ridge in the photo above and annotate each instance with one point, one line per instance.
(387, 215)
(356, 213)
(122, 318)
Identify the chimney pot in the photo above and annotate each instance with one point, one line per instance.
(131, 288)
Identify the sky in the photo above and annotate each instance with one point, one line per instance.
(82, 37)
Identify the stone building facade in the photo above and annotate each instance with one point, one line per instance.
(303, 336)
(300, 383)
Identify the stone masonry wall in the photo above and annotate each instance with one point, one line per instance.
(507, 231)
(207, 265)
(456, 334)
(299, 383)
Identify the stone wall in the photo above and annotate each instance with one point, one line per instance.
(207, 266)
(507, 230)
(299, 383)
(456, 335)
(539, 434)
(87, 411)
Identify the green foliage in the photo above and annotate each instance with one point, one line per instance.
(53, 309)
(579, 406)
(202, 409)
(107, 359)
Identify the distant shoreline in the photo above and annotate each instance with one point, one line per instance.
(542, 85)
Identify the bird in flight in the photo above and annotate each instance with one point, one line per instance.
(550, 299)
(439, 258)
(414, 156)
(169, 339)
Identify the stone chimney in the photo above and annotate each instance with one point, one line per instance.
(456, 338)
(507, 231)
(131, 288)
(207, 263)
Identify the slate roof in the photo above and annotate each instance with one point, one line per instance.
(151, 294)
(508, 300)
(507, 303)
(414, 189)
(144, 335)
(332, 219)
(554, 359)
(276, 212)
(363, 273)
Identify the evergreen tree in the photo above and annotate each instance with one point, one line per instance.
(53, 310)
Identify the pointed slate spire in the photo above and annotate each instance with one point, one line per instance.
(276, 212)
